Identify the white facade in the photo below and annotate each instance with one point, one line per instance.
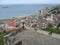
(50, 18)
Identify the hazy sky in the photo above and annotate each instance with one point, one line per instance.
(29, 1)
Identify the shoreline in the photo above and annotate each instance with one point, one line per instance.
(19, 16)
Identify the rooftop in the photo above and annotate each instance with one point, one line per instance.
(30, 37)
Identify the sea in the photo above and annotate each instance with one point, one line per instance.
(17, 10)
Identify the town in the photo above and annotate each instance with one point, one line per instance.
(45, 18)
(40, 20)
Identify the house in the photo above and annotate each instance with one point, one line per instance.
(58, 20)
(12, 25)
(50, 19)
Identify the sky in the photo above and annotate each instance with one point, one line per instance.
(29, 1)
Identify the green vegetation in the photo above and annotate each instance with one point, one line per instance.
(50, 29)
(2, 37)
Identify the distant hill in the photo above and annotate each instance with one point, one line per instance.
(55, 10)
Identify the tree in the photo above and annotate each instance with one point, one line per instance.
(58, 25)
(49, 25)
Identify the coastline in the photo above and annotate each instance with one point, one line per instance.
(21, 10)
(19, 16)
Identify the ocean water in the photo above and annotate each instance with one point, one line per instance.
(16, 10)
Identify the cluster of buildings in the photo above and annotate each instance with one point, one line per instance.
(10, 25)
(41, 20)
